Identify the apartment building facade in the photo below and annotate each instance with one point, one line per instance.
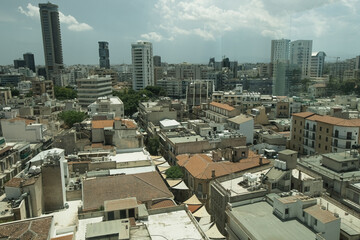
(312, 133)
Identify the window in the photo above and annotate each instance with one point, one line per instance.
(300, 130)
(315, 222)
(294, 129)
(344, 165)
(122, 214)
(295, 121)
(300, 123)
(349, 135)
(336, 133)
(325, 147)
(307, 189)
(319, 137)
(335, 142)
(319, 145)
(320, 129)
(111, 216)
(286, 211)
(304, 214)
(348, 144)
(326, 139)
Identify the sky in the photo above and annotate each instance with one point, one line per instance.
(182, 31)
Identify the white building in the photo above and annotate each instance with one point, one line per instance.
(317, 64)
(93, 87)
(143, 66)
(244, 125)
(18, 129)
(300, 54)
(109, 106)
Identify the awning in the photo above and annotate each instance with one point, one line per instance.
(193, 200)
(180, 186)
(201, 213)
(172, 182)
(214, 233)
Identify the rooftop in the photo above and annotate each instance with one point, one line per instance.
(172, 226)
(259, 220)
(222, 106)
(240, 119)
(187, 139)
(115, 227)
(119, 204)
(33, 228)
(131, 156)
(143, 186)
(102, 123)
(321, 215)
(201, 166)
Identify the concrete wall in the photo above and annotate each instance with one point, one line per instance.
(36, 197)
(127, 138)
(52, 187)
(73, 195)
(17, 130)
(93, 166)
(20, 212)
(97, 135)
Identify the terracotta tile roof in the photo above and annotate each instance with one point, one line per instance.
(201, 166)
(193, 208)
(35, 228)
(222, 105)
(162, 204)
(130, 124)
(102, 123)
(5, 149)
(14, 182)
(143, 186)
(303, 114)
(322, 215)
(27, 121)
(335, 121)
(66, 237)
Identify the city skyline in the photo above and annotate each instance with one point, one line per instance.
(190, 31)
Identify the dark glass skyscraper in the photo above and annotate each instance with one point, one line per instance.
(104, 55)
(29, 61)
(50, 25)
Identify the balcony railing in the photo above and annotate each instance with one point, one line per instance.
(339, 136)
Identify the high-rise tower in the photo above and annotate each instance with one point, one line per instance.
(143, 65)
(300, 55)
(29, 61)
(280, 50)
(104, 55)
(50, 25)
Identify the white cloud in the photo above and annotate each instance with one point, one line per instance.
(71, 22)
(152, 36)
(210, 19)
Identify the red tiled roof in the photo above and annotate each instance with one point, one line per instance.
(201, 166)
(222, 105)
(102, 123)
(66, 237)
(27, 121)
(303, 114)
(163, 203)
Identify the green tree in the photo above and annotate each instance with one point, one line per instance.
(153, 145)
(63, 93)
(15, 92)
(156, 90)
(71, 117)
(29, 94)
(174, 172)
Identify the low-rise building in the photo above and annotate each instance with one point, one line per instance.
(244, 125)
(220, 112)
(111, 107)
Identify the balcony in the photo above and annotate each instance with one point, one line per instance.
(340, 145)
(344, 137)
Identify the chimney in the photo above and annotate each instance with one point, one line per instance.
(212, 173)
(260, 161)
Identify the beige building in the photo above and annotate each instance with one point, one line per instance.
(40, 87)
(220, 112)
(312, 133)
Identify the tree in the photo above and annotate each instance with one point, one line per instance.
(153, 145)
(174, 172)
(156, 90)
(29, 94)
(71, 117)
(63, 93)
(15, 92)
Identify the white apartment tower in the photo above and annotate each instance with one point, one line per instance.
(300, 55)
(280, 50)
(143, 65)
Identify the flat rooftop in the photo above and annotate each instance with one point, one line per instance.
(172, 226)
(341, 156)
(237, 189)
(130, 157)
(187, 139)
(259, 220)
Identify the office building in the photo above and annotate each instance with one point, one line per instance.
(280, 50)
(18, 63)
(93, 87)
(143, 67)
(104, 55)
(29, 61)
(50, 25)
(300, 54)
(317, 64)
